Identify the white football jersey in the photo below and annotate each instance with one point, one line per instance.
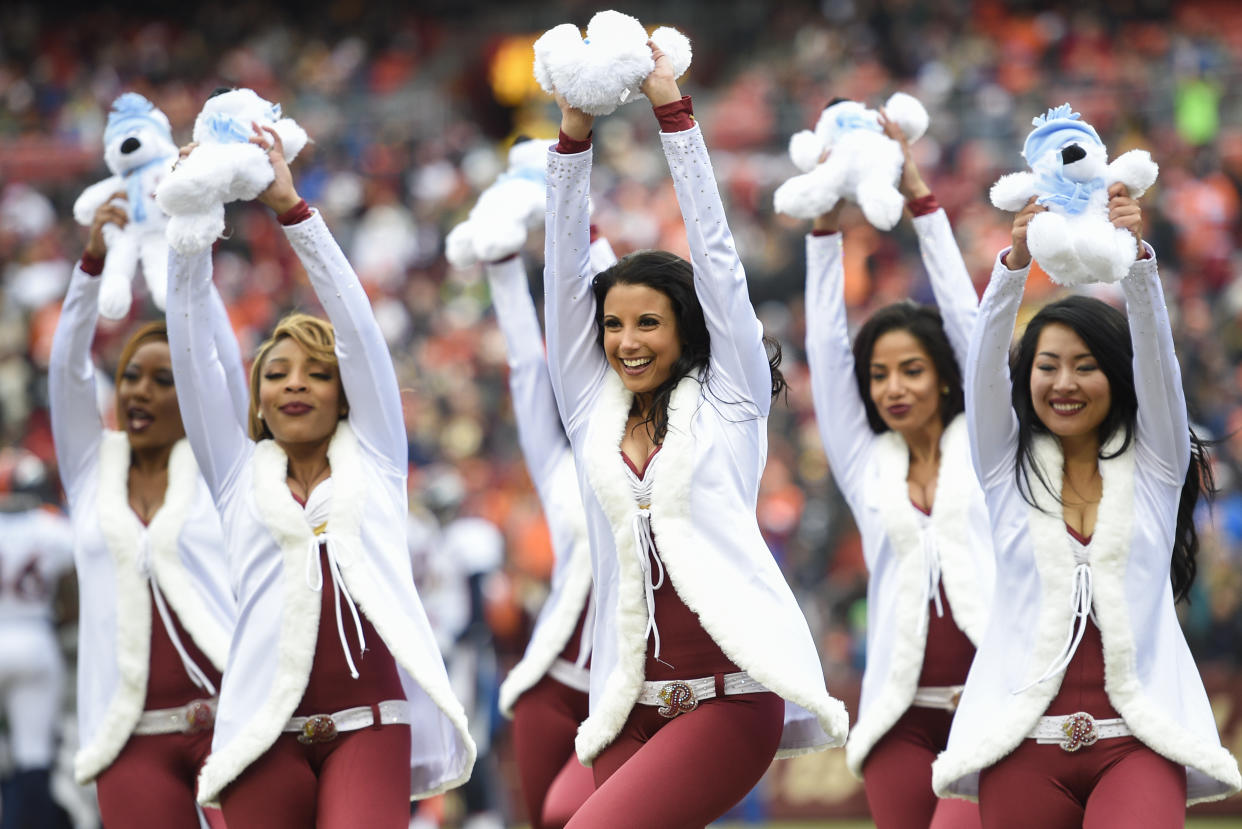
(36, 547)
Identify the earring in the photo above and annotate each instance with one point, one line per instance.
(259, 415)
(944, 390)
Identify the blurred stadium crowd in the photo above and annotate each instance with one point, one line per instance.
(411, 107)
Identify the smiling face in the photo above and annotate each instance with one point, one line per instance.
(1070, 393)
(147, 398)
(300, 398)
(641, 340)
(905, 386)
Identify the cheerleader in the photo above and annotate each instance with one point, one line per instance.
(702, 665)
(890, 414)
(335, 707)
(546, 692)
(1084, 706)
(156, 608)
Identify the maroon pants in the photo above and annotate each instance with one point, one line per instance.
(1115, 783)
(362, 778)
(684, 772)
(152, 782)
(554, 783)
(897, 776)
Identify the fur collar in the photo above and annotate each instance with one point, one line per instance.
(126, 538)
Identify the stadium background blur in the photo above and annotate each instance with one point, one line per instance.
(411, 107)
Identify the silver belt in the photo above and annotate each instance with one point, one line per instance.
(570, 675)
(191, 718)
(944, 697)
(323, 728)
(680, 696)
(1076, 731)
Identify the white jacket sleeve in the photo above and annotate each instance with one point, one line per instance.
(230, 357)
(739, 358)
(367, 370)
(208, 406)
(540, 433)
(576, 364)
(950, 281)
(76, 427)
(1163, 431)
(990, 418)
(839, 411)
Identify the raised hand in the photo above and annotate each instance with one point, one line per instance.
(280, 195)
(107, 213)
(911, 185)
(1019, 255)
(1124, 212)
(660, 86)
(574, 122)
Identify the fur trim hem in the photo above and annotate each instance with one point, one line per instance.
(956, 488)
(671, 522)
(123, 534)
(554, 632)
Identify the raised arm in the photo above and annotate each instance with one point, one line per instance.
(575, 362)
(76, 427)
(367, 371)
(739, 358)
(1162, 429)
(208, 408)
(539, 427)
(839, 411)
(230, 357)
(990, 418)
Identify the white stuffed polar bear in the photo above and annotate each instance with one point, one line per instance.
(224, 167)
(605, 70)
(862, 164)
(139, 151)
(1073, 241)
(506, 211)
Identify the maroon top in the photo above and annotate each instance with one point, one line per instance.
(168, 684)
(1082, 689)
(687, 651)
(948, 652)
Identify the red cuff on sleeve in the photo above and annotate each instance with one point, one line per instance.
(595, 234)
(300, 212)
(675, 116)
(923, 205)
(824, 232)
(92, 265)
(570, 146)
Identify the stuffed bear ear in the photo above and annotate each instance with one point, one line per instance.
(557, 40)
(1135, 170)
(805, 149)
(908, 113)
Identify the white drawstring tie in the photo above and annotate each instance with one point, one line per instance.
(1080, 605)
(314, 580)
(646, 551)
(196, 674)
(931, 562)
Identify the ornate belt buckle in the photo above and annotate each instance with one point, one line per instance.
(320, 728)
(954, 700)
(1080, 731)
(199, 717)
(678, 698)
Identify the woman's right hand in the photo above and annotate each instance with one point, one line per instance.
(1019, 255)
(108, 212)
(574, 122)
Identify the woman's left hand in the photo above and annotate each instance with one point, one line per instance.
(660, 86)
(280, 195)
(911, 185)
(1124, 212)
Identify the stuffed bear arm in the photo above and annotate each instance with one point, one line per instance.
(93, 197)
(1135, 170)
(1012, 191)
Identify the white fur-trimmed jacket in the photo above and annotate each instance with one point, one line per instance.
(871, 470)
(550, 461)
(1149, 674)
(115, 555)
(703, 499)
(270, 542)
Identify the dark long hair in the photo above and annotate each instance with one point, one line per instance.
(923, 322)
(674, 277)
(1107, 336)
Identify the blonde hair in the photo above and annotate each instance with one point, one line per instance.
(317, 339)
(156, 332)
